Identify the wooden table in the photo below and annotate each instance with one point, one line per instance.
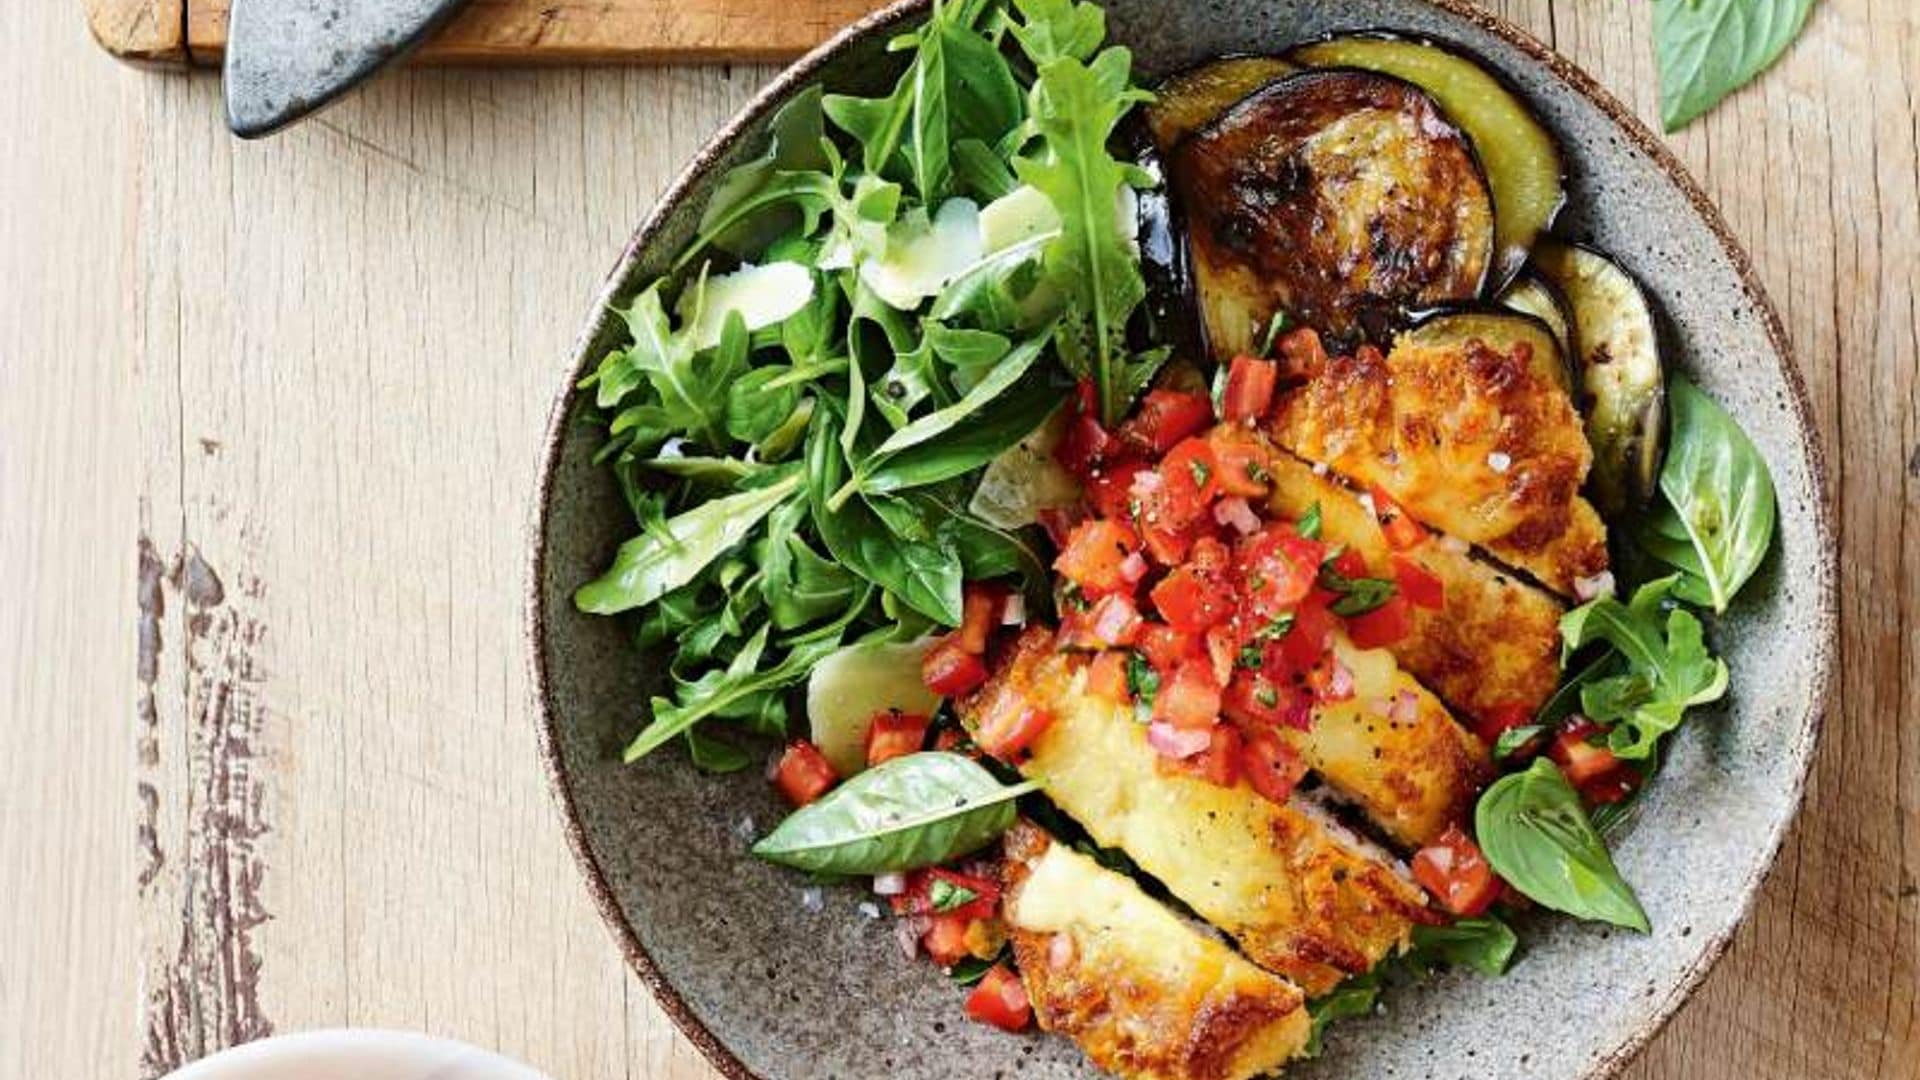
(268, 421)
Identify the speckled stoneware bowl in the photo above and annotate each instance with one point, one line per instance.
(768, 988)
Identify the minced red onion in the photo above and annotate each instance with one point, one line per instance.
(1173, 742)
(1589, 588)
(889, 884)
(1145, 483)
(1014, 613)
(1113, 621)
(1339, 680)
(907, 932)
(1236, 513)
(1406, 708)
(1133, 568)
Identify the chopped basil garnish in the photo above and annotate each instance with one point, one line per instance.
(946, 896)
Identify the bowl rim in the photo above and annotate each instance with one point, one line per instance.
(1812, 448)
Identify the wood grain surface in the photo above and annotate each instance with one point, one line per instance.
(268, 423)
(518, 31)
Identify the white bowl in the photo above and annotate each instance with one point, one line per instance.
(356, 1055)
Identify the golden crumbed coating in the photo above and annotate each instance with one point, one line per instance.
(1468, 440)
(1495, 644)
(1300, 898)
(1339, 197)
(1393, 750)
(1145, 994)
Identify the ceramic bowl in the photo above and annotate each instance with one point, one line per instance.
(773, 979)
(356, 1054)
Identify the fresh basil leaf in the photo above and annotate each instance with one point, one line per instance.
(1536, 835)
(928, 143)
(1308, 527)
(987, 552)
(927, 576)
(650, 565)
(1513, 739)
(905, 814)
(1485, 944)
(1357, 595)
(970, 970)
(1706, 49)
(1075, 106)
(1143, 681)
(1718, 498)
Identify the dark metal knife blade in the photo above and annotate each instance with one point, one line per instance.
(286, 58)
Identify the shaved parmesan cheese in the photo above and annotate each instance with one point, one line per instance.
(1016, 217)
(763, 295)
(924, 255)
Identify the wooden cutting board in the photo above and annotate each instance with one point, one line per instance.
(194, 32)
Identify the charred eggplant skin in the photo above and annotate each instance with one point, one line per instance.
(1531, 294)
(1343, 198)
(1189, 100)
(1617, 356)
(1522, 159)
(1501, 329)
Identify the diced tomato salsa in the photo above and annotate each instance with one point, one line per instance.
(1457, 875)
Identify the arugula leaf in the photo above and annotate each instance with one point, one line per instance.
(666, 361)
(926, 575)
(980, 171)
(1512, 740)
(652, 564)
(1668, 667)
(1075, 107)
(942, 421)
(1053, 29)
(740, 692)
(1354, 997)
(739, 219)
(1536, 835)
(1717, 517)
(1706, 49)
(1485, 944)
(911, 812)
(717, 756)
(1015, 415)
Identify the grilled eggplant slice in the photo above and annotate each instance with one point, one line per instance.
(1468, 439)
(1302, 896)
(1145, 994)
(1520, 156)
(1530, 294)
(1190, 100)
(1503, 330)
(1342, 198)
(1494, 645)
(1393, 750)
(1618, 351)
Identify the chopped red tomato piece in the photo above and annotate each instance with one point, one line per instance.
(1383, 626)
(1192, 479)
(1190, 601)
(1094, 556)
(1250, 384)
(1000, 999)
(1271, 766)
(894, 734)
(1085, 445)
(1008, 731)
(803, 773)
(1418, 584)
(951, 739)
(1257, 702)
(980, 613)
(1166, 648)
(1499, 720)
(1301, 354)
(1403, 533)
(946, 939)
(1107, 677)
(1330, 679)
(1611, 787)
(1581, 760)
(1110, 489)
(1277, 569)
(1313, 625)
(1164, 418)
(949, 669)
(1243, 464)
(1190, 698)
(1350, 564)
(1456, 873)
(1220, 762)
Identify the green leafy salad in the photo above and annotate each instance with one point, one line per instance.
(900, 419)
